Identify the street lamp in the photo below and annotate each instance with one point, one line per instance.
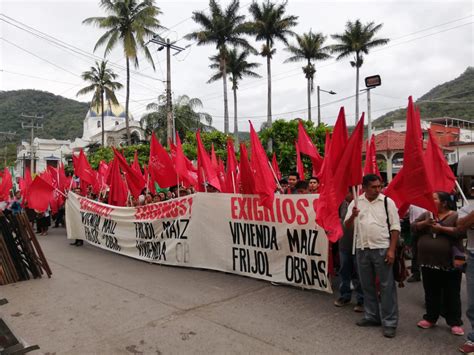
(319, 102)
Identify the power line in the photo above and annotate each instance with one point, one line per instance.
(62, 44)
(36, 77)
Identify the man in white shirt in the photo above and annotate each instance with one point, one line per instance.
(375, 250)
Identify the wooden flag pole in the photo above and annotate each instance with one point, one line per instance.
(204, 179)
(461, 192)
(233, 181)
(275, 177)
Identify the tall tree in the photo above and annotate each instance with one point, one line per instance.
(102, 83)
(185, 112)
(270, 24)
(221, 28)
(238, 67)
(310, 47)
(357, 39)
(131, 23)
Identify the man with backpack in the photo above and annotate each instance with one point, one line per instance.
(377, 229)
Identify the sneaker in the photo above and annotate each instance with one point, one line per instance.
(424, 324)
(414, 278)
(364, 322)
(359, 308)
(457, 330)
(467, 347)
(341, 302)
(389, 332)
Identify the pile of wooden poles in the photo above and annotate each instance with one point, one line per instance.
(21, 257)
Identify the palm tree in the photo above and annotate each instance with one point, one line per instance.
(221, 28)
(310, 47)
(130, 22)
(237, 67)
(270, 24)
(357, 39)
(185, 112)
(102, 83)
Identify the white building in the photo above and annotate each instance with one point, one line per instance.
(51, 151)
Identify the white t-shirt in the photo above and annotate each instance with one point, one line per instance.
(371, 224)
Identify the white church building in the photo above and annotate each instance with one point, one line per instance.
(51, 151)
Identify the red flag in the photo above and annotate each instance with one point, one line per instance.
(326, 161)
(150, 185)
(264, 181)
(349, 168)
(118, 192)
(221, 174)
(6, 185)
(412, 185)
(189, 178)
(160, 165)
(135, 180)
(63, 181)
(83, 170)
(214, 163)
(275, 167)
(136, 165)
(205, 166)
(40, 193)
(327, 206)
(339, 140)
(246, 174)
(103, 173)
(299, 163)
(371, 166)
(54, 176)
(307, 147)
(232, 184)
(439, 173)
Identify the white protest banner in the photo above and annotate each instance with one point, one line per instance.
(225, 232)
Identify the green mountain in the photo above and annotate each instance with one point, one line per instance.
(62, 117)
(454, 98)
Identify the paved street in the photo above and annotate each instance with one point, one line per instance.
(104, 303)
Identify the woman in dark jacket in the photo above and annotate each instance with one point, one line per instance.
(441, 280)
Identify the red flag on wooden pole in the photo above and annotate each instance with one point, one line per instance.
(439, 173)
(411, 186)
(371, 166)
(265, 184)
(160, 165)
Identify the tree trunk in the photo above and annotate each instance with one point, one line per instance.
(226, 105)
(236, 123)
(309, 99)
(127, 99)
(102, 120)
(269, 97)
(357, 90)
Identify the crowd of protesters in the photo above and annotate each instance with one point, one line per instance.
(366, 269)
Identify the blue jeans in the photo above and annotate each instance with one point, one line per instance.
(348, 272)
(470, 293)
(371, 264)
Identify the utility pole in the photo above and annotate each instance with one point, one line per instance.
(369, 118)
(170, 125)
(33, 125)
(319, 102)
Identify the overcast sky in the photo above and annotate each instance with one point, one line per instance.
(431, 43)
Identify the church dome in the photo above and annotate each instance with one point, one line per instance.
(110, 110)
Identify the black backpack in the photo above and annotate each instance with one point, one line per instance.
(400, 272)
